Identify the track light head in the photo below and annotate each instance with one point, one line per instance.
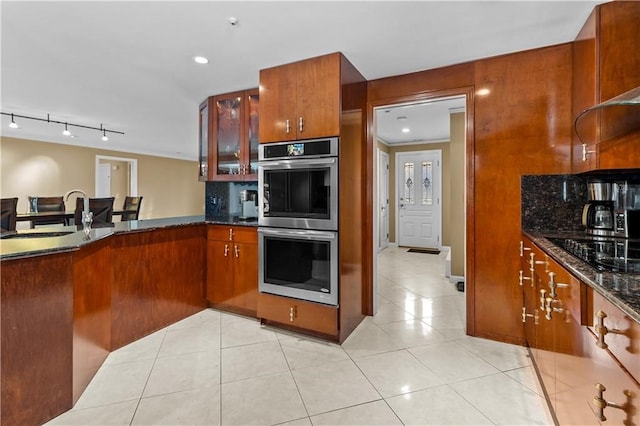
(104, 136)
(13, 124)
(66, 131)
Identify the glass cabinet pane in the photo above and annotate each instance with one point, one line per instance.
(253, 134)
(228, 135)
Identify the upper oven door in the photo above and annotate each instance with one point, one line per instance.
(300, 193)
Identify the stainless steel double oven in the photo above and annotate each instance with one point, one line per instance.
(298, 219)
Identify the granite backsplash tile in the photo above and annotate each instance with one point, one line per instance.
(221, 198)
(553, 202)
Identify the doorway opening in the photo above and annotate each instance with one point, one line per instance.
(116, 177)
(410, 118)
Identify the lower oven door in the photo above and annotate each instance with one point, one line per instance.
(299, 263)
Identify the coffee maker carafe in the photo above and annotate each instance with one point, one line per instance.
(597, 214)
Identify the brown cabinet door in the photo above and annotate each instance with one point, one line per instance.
(277, 104)
(318, 97)
(300, 100)
(221, 288)
(245, 270)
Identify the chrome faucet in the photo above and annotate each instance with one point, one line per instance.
(87, 216)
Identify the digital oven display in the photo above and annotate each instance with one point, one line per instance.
(295, 149)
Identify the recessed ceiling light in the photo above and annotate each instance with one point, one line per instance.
(405, 130)
(200, 60)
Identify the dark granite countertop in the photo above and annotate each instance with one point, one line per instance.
(623, 290)
(15, 248)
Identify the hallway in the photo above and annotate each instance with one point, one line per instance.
(410, 364)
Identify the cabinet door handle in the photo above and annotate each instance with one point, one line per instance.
(226, 250)
(230, 234)
(523, 248)
(288, 126)
(236, 250)
(586, 152)
(553, 285)
(292, 313)
(300, 124)
(523, 278)
(602, 403)
(602, 330)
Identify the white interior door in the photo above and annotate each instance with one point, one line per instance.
(418, 177)
(383, 199)
(103, 189)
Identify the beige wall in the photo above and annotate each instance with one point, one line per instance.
(457, 198)
(170, 187)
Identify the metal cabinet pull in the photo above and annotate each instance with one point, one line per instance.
(300, 124)
(543, 298)
(602, 330)
(523, 278)
(236, 250)
(292, 313)
(230, 234)
(523, 248)
(534, 315)
(586, 152)
(602, 403)
(553, 285)
(549, 308)
(288, 126)
(226, 250)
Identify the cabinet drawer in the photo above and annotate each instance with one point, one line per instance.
(623, 337)
(307, 315)
(238, 234)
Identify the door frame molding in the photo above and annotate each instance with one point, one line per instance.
(378, 207)
(133, 164)
(438, 153)
(369, 263)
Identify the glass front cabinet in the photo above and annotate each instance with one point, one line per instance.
(229, 137)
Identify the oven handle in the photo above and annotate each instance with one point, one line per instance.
(295, 233)
(289, 164)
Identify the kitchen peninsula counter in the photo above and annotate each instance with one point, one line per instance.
(14, 247)
(622, 290)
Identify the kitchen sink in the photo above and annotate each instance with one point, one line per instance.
(47, 234)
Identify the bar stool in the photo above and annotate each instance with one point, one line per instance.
(8, 214)
(47, 204)
(131, 203)
(102, 209)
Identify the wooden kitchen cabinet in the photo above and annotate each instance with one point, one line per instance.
(602, 69)
(232, 268)
(564, 346)
(229, 137)
(301, 100)
(309, 316)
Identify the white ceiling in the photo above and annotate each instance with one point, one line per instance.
(128, 65)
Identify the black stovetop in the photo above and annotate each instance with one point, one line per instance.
(604, 253)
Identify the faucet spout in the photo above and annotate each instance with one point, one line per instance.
(85, 207)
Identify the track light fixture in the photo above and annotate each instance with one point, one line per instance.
(66, 131)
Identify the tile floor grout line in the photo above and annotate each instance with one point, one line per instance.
(135, 411)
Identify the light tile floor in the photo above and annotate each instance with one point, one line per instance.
(410, 364)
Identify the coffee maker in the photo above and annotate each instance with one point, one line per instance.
(597, 214)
